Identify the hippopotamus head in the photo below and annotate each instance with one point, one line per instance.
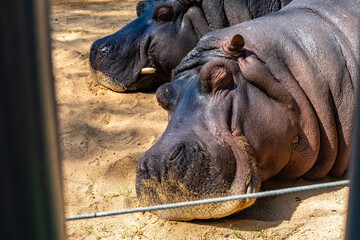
(225, 127)
(140, 56)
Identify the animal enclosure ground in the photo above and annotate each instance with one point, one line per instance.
(104, 133)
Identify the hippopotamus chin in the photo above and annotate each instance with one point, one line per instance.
(141, 56)
(272, 97)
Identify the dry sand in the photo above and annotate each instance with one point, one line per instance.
(104, 133)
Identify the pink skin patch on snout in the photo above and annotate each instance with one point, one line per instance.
(250, 59)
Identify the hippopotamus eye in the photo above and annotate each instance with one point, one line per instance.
(215, 76)
(163, 13)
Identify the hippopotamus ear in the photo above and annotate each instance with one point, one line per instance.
(143, 6)
(214, 76)
(163, 13)
(187, 2)
(235, 45)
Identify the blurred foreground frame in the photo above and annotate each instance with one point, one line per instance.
(353, 211)
(31, 198)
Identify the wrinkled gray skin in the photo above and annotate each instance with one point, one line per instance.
(283, 107)
(162, 35)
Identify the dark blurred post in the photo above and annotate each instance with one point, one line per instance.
(353, 213)
(31, 201)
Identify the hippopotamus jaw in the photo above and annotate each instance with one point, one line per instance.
(106, 81)
(141, 81)
(208, 211)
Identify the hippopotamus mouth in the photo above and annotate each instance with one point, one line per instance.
(142, 80)
(194, 171)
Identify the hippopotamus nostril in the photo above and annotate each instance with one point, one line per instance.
(142, 166)
(104, 48)
(175, 153)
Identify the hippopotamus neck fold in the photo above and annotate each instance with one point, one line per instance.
(306, 56)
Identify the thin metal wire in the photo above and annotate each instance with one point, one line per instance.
(213, 200)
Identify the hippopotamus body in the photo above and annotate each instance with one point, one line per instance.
(272, 97)
(141, 56)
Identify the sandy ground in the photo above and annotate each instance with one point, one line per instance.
(104, 133)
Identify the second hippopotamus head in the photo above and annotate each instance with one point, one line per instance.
(140, 56)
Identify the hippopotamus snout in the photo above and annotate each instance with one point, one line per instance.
(190, 170)
(189, 164)
(99, 49)
(119, 61)
(102, 52)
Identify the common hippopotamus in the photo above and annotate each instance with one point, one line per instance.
(141, 56)
(272, 97)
